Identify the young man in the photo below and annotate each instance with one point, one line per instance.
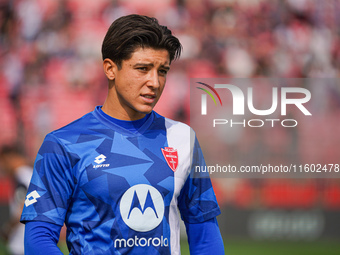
(117, 176)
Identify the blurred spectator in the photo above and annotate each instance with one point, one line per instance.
(14, 165)
(50, 58)
(49, 48)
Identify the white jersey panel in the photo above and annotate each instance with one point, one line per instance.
(178, 137)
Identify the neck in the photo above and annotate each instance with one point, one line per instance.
(110, 109)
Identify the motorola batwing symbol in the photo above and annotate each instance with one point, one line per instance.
(142, 207)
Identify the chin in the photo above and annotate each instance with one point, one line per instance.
(146, 110)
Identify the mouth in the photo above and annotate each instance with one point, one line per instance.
(149, 98)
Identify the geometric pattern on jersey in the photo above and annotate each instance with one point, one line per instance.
(114, 189)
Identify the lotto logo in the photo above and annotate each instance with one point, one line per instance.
(100, 159)
(31, 198)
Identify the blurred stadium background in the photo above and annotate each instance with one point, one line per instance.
(51, 74)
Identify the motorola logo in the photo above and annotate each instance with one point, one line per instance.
(142, 207)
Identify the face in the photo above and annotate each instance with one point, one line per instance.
(136, 87)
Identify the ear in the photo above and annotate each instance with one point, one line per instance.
(110, 69)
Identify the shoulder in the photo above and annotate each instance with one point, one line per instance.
(173, 125)
(80, 124)
(60, 139)
(61, 148)
(178, 129)
(73, 130)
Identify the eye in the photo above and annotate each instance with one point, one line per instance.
(163, 72)
(142, 68)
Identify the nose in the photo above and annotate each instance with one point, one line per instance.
(153, 79)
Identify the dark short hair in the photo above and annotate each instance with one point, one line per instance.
(130, 32)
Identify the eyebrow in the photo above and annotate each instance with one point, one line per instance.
(151, 65)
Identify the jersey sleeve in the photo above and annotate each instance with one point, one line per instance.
(205, 238)
(197, 202)
(51, 185)
(41, 237)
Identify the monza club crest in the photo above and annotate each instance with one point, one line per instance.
(171, 157)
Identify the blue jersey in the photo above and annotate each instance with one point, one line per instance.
(119, 191)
